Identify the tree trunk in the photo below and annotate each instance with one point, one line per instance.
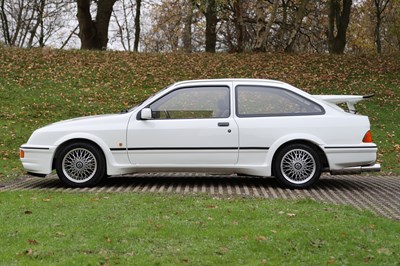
(211, 26)
(94, 34)
(262, 27)
(19, 22)
(39, 22)
(380, 6)
(40, 18)
(301, 12)
(137, 26)
(378, 35)
(239, 25)
(187, 30)
(4, 24)
(283, 29)
(339, 16)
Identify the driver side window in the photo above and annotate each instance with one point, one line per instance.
(193, 103)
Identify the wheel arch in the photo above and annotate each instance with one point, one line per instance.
(103, 148)
(313, 142)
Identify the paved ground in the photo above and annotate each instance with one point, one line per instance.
(380, 194)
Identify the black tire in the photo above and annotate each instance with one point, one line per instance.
(297, 166)
(80, 165)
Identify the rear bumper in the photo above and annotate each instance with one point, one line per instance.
(357, 169)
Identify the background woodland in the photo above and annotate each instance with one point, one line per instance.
(301, 26)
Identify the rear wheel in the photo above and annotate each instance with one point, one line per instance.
(80, 165)
(297, 166)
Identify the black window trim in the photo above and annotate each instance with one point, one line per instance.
(138, 116)
(277, 114)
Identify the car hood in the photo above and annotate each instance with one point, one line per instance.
(84, 120)
(88, 123)
(98, 125)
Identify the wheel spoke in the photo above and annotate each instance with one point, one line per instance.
(79, 165)
(298, 166)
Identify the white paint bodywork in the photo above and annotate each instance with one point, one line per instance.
(246, 146)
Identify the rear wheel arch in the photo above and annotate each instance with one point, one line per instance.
(298, 163)
(316, 147)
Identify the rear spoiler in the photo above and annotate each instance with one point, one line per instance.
(350, 100)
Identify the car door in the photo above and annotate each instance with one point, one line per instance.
(189, 126)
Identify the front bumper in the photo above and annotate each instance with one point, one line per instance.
(38, 159)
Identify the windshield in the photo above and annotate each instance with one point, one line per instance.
(137, 105)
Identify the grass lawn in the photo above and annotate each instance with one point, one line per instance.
(41, 86)
(42, 228)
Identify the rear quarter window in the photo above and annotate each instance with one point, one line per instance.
(253, 101)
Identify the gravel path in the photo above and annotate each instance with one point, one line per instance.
(381, 194)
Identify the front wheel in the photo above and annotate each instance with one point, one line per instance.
(297, 166)
(80, 165)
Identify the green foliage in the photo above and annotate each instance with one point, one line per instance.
(41, 86)
(149, 229)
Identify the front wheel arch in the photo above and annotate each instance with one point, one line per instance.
(68, 142)
(80, 164)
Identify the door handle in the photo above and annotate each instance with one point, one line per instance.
(223, 124)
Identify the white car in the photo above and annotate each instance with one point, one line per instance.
(245, 126)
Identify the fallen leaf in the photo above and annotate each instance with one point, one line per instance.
(291, 214)
(331, 260)
(384, 251)
(29, 252)
(261, 238)
(60, 234)
(46, 200)
(372, 226)
(368, 258)
(318, 243)
(32, 242)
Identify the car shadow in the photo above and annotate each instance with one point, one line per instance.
(181, 180)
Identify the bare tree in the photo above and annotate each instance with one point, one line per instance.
(30, 23)
(263, 26)
(300, 13)
(94, 33)
(380, 6)
(239, 25)
(339, 18)
(4, 23)
(187, 30)
(137, 25)
(211, 25)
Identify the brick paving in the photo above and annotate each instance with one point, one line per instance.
(380, 194)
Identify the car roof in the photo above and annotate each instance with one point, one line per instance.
(268, 81)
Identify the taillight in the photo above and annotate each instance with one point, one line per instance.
(367, 137)
(21, 154)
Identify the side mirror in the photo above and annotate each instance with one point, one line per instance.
(146, 114)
